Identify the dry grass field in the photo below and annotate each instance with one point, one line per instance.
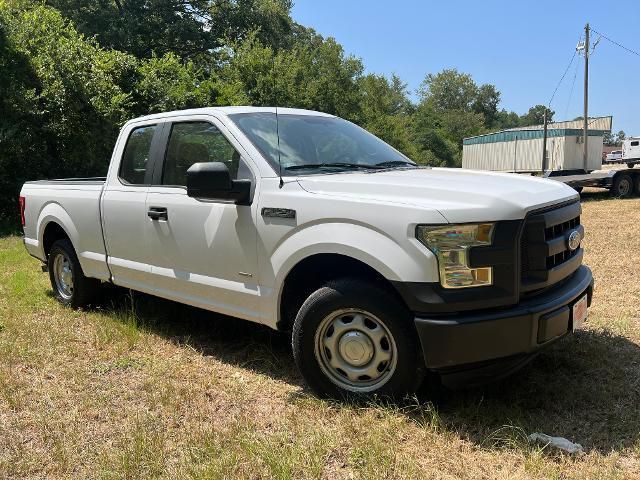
(145, 388)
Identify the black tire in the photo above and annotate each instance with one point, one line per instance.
(402, 374)
(82, 290)
(636, 184)
(630, 165)
(622, 186)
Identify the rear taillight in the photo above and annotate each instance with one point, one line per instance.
(21, 201)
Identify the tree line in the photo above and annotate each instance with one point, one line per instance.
(73, 71)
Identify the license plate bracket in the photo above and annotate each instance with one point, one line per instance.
(579, 313)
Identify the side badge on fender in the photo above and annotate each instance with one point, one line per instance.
(278, 212)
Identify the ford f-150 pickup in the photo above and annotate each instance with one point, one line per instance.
(382, 270)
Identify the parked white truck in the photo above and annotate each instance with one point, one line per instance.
(631, 151)
(381, 269)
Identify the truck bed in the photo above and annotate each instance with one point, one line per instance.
(77, 201)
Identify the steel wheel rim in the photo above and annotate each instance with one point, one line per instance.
(63, 275)
(355, 350)
(624, 187)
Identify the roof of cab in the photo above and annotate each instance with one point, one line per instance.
(229, 111)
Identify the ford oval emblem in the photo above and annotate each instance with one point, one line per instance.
(573, 241)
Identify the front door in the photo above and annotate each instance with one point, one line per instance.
(204, 252)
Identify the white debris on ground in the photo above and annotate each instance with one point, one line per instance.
(556, 442)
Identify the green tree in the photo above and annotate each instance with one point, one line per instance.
(165, 83)
(614, 139)
(64, 98)
(486, 102)
(385, 111)
(505, 120)
(535, 116)
(188, 29)
(315, 75)
(454, 107)
(457, 125)
(433, 144)
(449, 90)
(143, 27)
(269, 21)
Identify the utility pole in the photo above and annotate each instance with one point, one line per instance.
(585, 133)
(544, 142)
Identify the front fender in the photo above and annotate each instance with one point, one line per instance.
(394, 259)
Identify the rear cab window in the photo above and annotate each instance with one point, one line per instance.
(136, 156)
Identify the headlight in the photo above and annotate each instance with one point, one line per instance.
(451, 244)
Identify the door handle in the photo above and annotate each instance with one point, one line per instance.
(158, 213)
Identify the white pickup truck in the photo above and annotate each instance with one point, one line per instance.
(382, 270)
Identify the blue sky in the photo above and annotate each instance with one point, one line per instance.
(521, 47)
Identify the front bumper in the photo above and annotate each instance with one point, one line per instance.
(484, 340)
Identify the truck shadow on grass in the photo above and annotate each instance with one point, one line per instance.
(595, 195)
(230, 340)
(585, 388)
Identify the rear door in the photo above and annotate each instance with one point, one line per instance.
(123, 206)
(204, 252)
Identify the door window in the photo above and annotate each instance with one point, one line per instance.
(195, 142)
(135, 158)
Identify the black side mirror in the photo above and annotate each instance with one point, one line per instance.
(212, 181)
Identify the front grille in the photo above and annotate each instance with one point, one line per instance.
(545, 256)
(558, 231)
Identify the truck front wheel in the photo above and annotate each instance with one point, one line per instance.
(70, 286)
(352, 338)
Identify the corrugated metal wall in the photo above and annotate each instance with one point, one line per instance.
(573, 153)
(564, 153)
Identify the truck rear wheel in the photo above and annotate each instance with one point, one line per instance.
(622, 186)
(70, 286)
(630, 165)
(351, 338)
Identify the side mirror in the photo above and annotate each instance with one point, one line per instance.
(212, 181)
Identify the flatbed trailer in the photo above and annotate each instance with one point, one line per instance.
(621, 183)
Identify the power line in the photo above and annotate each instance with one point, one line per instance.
(573, 84)
(562, 78)
(616, 43)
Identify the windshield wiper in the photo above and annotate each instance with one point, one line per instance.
(330, 165)
(394, 163)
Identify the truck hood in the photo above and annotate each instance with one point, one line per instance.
(459, 195)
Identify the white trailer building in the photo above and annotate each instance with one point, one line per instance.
(631, 150)
(520, 149)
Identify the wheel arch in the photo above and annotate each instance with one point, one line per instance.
(55, 223)
(315, 270)
(53, 232)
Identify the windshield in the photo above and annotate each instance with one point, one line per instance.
(313, 144)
